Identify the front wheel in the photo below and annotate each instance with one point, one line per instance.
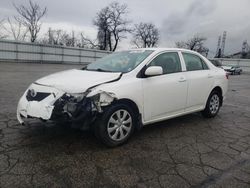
(212, 105)
(116, 125)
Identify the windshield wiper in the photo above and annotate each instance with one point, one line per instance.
(102, 70)
(99, 70)
(84, 68)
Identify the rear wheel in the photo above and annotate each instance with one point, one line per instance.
(212, 105)
(116, 125)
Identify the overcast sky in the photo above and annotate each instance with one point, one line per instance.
(176, 19)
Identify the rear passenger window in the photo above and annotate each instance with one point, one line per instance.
(194, 62)
(169, 61)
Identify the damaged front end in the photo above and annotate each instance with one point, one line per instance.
(80, 110)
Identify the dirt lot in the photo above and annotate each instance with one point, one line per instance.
(184, 152)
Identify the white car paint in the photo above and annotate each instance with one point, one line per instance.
(76, 81)
(169, 99)
(157, 98)
(200, 85)
(36, 109)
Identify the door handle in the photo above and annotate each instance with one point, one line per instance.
(182, 79)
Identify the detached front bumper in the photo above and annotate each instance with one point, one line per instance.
(37, 104)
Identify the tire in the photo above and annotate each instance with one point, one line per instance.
(115, 126)
(213, 105)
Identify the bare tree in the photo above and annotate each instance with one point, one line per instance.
(16, 29)
(102, 21)
(30, 17)
(119, 24)
(145, 35)
(112, 25)
(86, 42)
(59, 37)
(68, 39)
(2, 35)
(196, 43)
(53, 37)
(181, 44)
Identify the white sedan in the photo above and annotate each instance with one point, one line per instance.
(126, 90)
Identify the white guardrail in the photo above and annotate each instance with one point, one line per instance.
(15, 51)
(243, 63)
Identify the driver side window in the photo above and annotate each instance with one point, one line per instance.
(170, 62)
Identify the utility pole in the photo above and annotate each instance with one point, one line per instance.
(218, 50)
(223, 44)
(50, 36)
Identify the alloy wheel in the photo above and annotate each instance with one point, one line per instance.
(119, 125)
(214, 104)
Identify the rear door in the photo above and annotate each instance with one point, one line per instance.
(200, 81)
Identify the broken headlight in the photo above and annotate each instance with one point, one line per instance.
(76, 97)
(72, 101)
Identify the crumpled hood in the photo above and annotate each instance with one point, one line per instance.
(77, 81)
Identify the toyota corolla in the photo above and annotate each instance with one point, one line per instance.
(126, 90)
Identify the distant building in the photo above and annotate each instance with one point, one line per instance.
(237, 55)
(244, 54)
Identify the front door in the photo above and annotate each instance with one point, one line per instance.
(165, 95)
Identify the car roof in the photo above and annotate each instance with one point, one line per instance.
(166, 49)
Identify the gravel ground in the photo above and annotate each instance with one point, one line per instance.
(189, 151)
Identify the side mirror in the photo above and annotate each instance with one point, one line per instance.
(153, 71)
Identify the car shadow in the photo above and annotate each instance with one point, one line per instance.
(69, 140)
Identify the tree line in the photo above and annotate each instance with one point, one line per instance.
(112, 25)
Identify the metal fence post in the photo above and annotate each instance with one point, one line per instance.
(62, 54)
(79, 56)
(41, 51)
(16, 48)
(95, 57)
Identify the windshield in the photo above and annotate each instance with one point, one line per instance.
(124, 61)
